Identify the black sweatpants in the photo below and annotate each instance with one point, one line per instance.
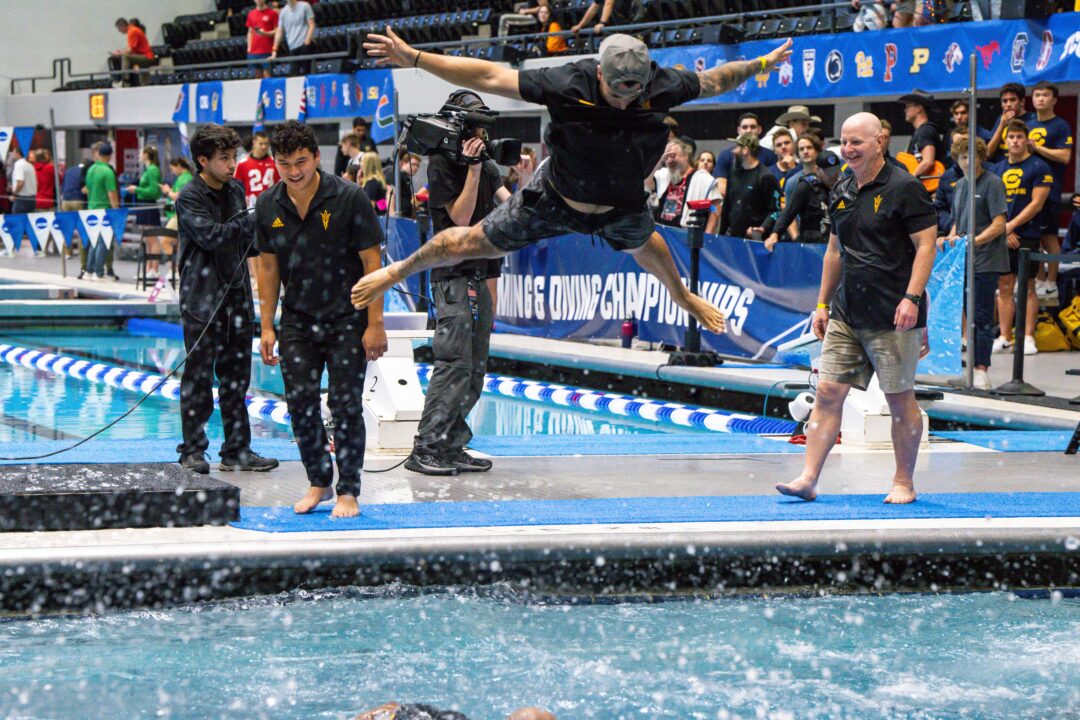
(307, 346)
(463, 318)
(225, 351)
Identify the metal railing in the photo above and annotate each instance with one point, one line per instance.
(59, 64)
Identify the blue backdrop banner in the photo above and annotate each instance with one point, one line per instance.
(329, 95)
(575, 287)
(272, 99)
(208, 107)
(892, 62)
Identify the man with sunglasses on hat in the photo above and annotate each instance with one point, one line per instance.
(606, 136)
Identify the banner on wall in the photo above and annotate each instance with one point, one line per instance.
(573, 287)
(367, 93)
(329, 95)
(271, 105)
(180, 116)
(375, 99)
(208, 105)
(892, 62)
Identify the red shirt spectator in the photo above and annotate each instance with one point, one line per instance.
(262, 18)
(259, 171)
(137, 42)
(46, 182)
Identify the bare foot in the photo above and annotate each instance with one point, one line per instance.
(801, 488)
(311, 500)
(370, 287)
(346, 506)
(707, 314)
(901, 494)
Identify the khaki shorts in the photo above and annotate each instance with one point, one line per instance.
(851, 357)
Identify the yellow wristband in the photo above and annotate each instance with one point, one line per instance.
(822, 306)
(763, 63)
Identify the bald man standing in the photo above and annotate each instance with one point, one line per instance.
(870, 310)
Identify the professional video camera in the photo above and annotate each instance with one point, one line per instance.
(446, 131)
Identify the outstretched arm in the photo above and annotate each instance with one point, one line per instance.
(731, 75)
(479, 75)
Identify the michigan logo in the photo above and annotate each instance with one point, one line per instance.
(325, 219)
(277, 223)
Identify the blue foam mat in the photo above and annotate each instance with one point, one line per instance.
(638, 444)
(1012, 440)
(130, 451)
(661, 510)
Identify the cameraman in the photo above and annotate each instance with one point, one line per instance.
(460, 195)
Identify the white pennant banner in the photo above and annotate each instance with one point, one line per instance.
(92, 220)
(9, 242)
(6, 133)
(106, 229)
(41, 224)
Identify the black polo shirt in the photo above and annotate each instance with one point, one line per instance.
(874, 224)
(318, 255)
(600, 154)
(446, 180)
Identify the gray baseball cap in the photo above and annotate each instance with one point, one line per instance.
(625, 59)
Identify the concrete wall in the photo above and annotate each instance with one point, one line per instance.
(36, 31)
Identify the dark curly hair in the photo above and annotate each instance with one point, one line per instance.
(208, 139)
(291, 136)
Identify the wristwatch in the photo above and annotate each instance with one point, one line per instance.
(916, 300)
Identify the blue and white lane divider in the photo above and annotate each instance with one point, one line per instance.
(127, 379)
(623, 406)
(617, 406)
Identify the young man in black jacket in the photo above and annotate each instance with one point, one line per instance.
(216, 237)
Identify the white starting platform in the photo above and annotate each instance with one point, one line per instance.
(393, 400)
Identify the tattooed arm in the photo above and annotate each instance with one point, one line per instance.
(733, 74)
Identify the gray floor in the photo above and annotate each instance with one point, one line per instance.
(940, 469)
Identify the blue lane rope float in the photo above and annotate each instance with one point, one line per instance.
(594, 401)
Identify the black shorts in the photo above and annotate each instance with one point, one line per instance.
(1048, 217)
(536, 212)
(1031, 244)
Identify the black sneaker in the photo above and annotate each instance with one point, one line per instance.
(196, 462)
(250, 462)
(81, 273)
(430, 465)
(465, 462)
(113, 276)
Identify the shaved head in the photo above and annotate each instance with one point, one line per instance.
(861, 144)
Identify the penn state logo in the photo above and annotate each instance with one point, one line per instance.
(809, 60)
(1019, 52)
(834, 66)
(953, 57)
(1046, 50)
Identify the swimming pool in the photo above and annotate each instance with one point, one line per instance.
(333, 654)
(40, 405)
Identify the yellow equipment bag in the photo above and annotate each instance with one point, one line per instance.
(1048, 336)
(1070, 320)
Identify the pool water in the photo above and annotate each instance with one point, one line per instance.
(333, 654)
(41, 405)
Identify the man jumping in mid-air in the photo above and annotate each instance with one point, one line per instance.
(606, 136)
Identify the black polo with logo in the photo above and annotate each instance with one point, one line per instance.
(319, 254)
(874, 224)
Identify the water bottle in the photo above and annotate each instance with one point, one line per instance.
(629, 330)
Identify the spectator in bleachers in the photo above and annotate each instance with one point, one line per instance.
(361, 126)
(258, 171)
(676, 183)
(138, 53)
(101, 193)
(959, 112)
(408, 167)
(705, 161)
(920, 12)
(72, 197)
(753, 192)
(46, 180)
(182, 174)
(786, 162)
(805, 217)
(871, 15)
(1027, 186)
(991, 250)
(525, 14)
(372, 181)
(943, 196)
(927, 143)
(612, 12)
(1011, 96)
(1050, 138)
(262, 22)
(513, 178)
(725, 161)
(149, 188)
(295, 30)
(553, 44)
(23, 186)
(886, 135)
(349, 147)
(797, 119)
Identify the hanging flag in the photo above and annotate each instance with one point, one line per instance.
(90, 222)
(208, 107)
(12, 229)
(260, 117)
(383, 126)
(301, 115)
(63, 227)
(113, 224)
(272, 98)
(181, 114)
(25, 136)
(6, 133)
(41, 225)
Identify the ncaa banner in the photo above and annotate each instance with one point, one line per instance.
(6, 134)
(90, 222)
(41, 225)
(63, 227)
(12, 229)
(272, 99)
(208, 106)
(892, 62)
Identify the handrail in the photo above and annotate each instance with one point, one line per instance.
(498, 40)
